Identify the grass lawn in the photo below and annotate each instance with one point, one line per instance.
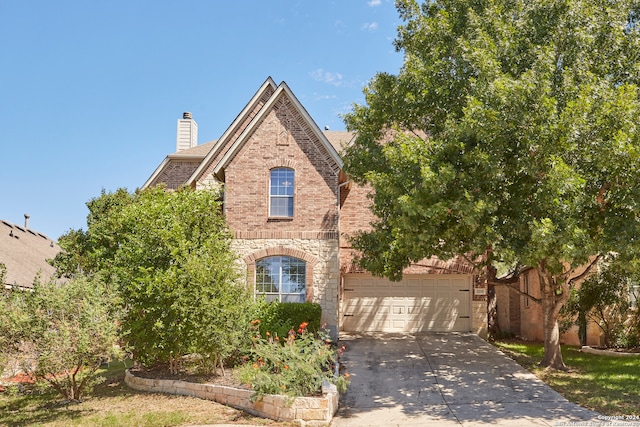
(114, 404)
(609, 385)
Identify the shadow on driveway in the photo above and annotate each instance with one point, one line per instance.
(444, 379)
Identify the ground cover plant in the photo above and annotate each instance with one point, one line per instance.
(113, 403)
(605, 384)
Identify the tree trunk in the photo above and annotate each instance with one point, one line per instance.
(554, 296)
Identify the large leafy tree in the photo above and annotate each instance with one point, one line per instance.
(168, 252)
(511, 133)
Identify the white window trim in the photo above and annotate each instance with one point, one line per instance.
(282, 196)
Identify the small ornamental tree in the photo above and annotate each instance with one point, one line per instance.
(512, 136)
(605, 298)
(61, 333)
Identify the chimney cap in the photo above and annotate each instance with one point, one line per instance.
(186, 115)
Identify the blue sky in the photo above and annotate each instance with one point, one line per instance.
(90, 92)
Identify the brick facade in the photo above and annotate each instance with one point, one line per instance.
(508, 310)
(234, 132)
(177, 173)
(280, 141)
(284, 140)
(531, 315)
(275, 131)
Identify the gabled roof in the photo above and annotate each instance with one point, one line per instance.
(214, 156)
(24, 252)
(268, 87)
(282, 90)
(197, 153)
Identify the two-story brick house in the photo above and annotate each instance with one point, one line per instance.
(291, 208)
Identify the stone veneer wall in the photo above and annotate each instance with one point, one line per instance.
(322, 257)
(479, 318)
(304, 411)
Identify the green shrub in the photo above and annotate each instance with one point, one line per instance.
(297, 368)
(278, 318)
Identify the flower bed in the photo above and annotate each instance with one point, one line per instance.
(306, 411)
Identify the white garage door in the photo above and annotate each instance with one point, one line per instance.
(438, 303)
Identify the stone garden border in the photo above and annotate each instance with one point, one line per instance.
(305, 411)
(587, 349)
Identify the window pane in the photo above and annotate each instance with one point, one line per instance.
(267, 275)
(281, 192)
(293, 275)
(282, 182)
(281, 206)
(292, 298)
(271, 298)
(281, 278)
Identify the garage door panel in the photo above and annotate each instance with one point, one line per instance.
(415, 283)
(424, 303)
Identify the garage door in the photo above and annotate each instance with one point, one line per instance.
(439, 303)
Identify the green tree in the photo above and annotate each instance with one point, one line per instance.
(168, 252)
(511, 134)
(604, 298)
(3, 275)
(61, 333)
(93, 250)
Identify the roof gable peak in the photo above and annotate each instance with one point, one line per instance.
(282, 90)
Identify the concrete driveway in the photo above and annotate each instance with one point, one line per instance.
(444, 380)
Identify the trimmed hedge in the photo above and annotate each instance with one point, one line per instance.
(278, 318)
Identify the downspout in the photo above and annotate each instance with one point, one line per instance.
(341, 278)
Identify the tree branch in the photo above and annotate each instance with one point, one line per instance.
(586, 271)
(517, 289)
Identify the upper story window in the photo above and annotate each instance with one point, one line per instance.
(281, 193)
(281, 278)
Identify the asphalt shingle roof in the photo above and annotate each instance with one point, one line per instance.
(24, 252)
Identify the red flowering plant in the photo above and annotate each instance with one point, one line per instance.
(297, 368)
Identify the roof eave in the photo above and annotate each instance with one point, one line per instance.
(156, 173)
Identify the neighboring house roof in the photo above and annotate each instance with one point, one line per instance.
(339, 139)
(25, 252)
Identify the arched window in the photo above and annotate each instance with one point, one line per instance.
(281, 278)
(281, 192)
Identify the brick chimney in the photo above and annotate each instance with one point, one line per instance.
(187, 132)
